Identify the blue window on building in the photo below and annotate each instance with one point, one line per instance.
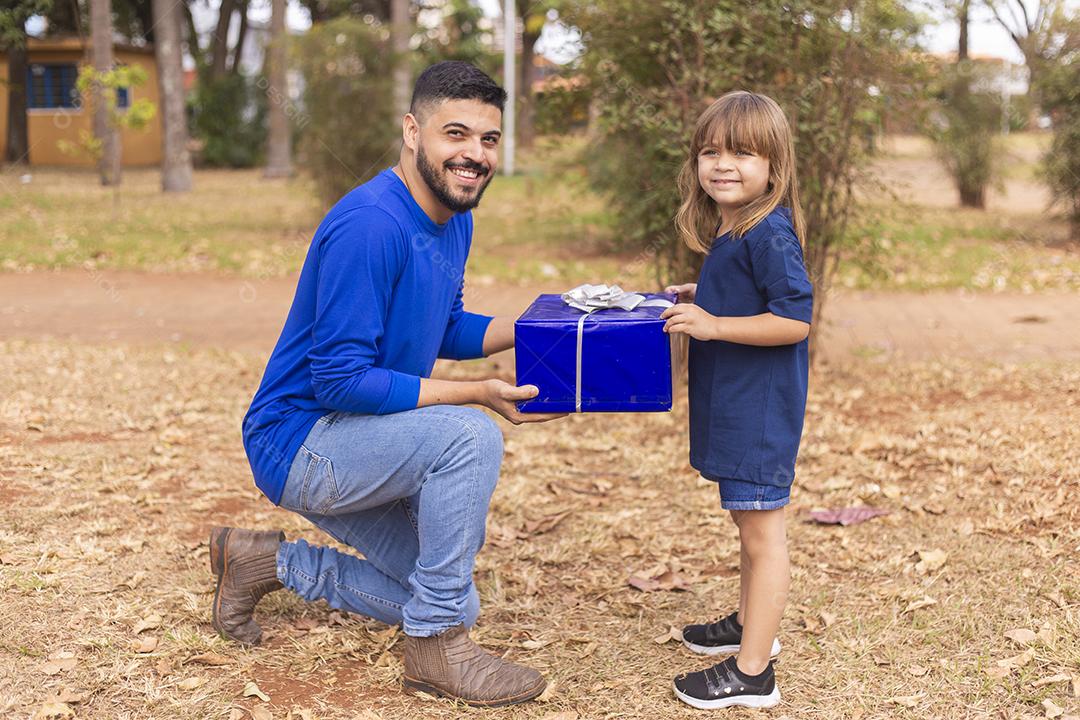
(123, 98)
(52, 86)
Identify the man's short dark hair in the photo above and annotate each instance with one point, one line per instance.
(455, 80)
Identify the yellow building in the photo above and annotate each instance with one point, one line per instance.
(56, 111)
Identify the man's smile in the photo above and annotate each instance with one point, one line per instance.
(470, 176)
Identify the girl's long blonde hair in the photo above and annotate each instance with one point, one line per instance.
(739, 121)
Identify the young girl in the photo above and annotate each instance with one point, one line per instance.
(748, 317)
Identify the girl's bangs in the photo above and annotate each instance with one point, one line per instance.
(734, 126)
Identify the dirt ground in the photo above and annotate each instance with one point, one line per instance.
(120, 402)
(963, 602)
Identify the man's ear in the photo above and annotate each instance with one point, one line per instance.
(410, 131)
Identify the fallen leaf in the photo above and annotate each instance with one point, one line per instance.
(563, 715)
(368, 714)
(58, 662)
(68, 696)
(1051, 709)
(925, 601)
(191, 683)
(300, 714)
(147, 645)
(930, 560)
(236, 714)
(998, 673)
(918, 670)
(664, 580)
(827, 618)
(150, 622)
(1021, 636)
(54, 711)
(642, 584)
(548, 694)
(908, 701)
(209, 658)
(1060, 677)
(535, 644)
(846, 516)
(260, 713)
(1055, 597)
(1076, 685)
(546, 523)
(252, 690)
(1017, 661)
(673, 633)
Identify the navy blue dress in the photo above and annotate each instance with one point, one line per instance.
(747, 402)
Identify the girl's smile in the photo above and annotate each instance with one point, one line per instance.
(732, 178)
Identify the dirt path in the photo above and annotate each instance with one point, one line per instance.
(246, 315)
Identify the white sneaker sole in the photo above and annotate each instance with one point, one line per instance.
(725, 649)
(753, 701)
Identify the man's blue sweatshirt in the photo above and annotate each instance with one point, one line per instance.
(378, 300)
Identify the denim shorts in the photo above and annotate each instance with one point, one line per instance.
(746, 495)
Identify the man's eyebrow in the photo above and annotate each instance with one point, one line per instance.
(466, 128)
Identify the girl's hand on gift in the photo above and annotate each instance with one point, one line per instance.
(686, 292)
(691, 320)
(502, 397)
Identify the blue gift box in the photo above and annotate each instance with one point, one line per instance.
(625, 358)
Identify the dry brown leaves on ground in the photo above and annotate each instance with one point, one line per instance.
(962, 602)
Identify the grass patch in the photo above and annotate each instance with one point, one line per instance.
(543, 224)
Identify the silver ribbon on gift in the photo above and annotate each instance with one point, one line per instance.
(590, 298)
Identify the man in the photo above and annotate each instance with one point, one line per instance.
(348, 429)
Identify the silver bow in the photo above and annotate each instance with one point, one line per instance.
(589, 298)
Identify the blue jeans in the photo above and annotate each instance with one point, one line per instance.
(745, 495)
(410, 491)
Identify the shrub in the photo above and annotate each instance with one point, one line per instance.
(228, 119)
(350, 130)
(655, 66)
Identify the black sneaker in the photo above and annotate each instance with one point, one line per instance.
(725, 685)
(719, 638)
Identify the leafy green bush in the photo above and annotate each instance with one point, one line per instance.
(1061, 93)
(655, 66)
(350, 131)
(228, 118)
(965, 127)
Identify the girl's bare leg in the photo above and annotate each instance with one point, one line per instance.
(744, 572)
(764, 583)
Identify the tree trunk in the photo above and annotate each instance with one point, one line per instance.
(972, 194)
(278, 163)
(400, 32)
(219, 45)
(175, 158)
(530, 33)
(193, 47)
(526, 107)
(238, 51)
(102, 61)
(18, 133)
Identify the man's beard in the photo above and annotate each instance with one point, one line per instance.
(441, 188)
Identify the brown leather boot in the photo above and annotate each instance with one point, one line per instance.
(452, 665)
(245, 564)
